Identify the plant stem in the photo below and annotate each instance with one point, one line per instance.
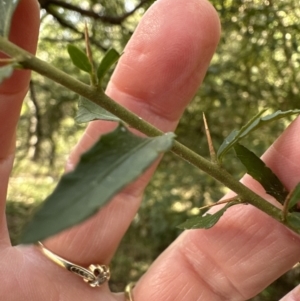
(96, 95)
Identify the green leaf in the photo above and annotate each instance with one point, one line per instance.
(115, 160)
(256, 122)
(6, 71)
(258, 170)
(205, 221)
(295, 197)
(236, 135)
(293, 219)
(110, 57)
(79, 58)
(7, 9)
(88, 111)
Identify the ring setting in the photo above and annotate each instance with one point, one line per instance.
(95, 275)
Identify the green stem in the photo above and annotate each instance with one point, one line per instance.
(96, 95)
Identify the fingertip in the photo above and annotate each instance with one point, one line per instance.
(24, 33)
(167, 57)
(25, 25)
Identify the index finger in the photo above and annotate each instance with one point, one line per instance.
(161, 68)
(24, 32)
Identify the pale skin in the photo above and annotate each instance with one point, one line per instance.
(160, 71)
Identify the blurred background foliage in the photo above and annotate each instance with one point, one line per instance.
(256, 66)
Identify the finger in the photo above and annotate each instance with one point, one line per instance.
(161, 69)
(24, 32)
(241, 255)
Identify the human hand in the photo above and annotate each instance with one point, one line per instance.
(235, 260)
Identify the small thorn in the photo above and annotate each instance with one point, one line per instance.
(87, 43)
(226, 201)
(7, 61)
(285, 209)
(89, 54)
(212, 152)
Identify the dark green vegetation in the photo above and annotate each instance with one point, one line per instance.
(256, 66)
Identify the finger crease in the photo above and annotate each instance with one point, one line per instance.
(214, 289)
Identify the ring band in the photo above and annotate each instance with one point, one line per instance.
(95, 275)
(128, 291)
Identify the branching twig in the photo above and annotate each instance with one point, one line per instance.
(97, 95)
(36, 129)
(114, 20)
(66, 24)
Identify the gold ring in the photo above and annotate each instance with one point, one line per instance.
(95, 275)
(128, 291)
